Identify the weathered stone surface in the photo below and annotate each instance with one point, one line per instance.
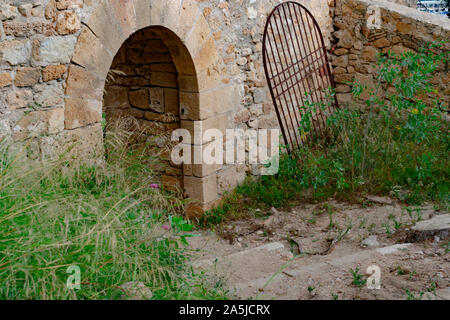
(202, 189)
(164, 79)
(341, 61)
(171, 101)
(28, 29)
(89, 53)
(68, 23)
(25, 9)
(368, 82)
(116, 97)
(27, 77)
(38, 123)
(55, 50)
(140, 99)
(81, 112)
(53, 72)
(84, 143)
(15, 52)
(5, 79)
(83, 84)
(19, 99)
(369, 54)
(157, 99)
(227, 180)
(438, 226)
(370, 242)
(7, 11)
(69, 4)
(49, 95)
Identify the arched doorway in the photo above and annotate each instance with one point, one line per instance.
(142, 96)
(206, 96)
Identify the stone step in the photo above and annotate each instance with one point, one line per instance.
(438, 226)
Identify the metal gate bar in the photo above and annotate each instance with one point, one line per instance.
(297, 71)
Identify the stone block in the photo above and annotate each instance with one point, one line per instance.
(203, 105)
(49, 95)
(125, 15)
(81, 112)
(15, 52)
(202, 189)
(140, 99)
(27, 77)
(164, 79)
(89, 53)
(38, 123)
(28, 29)
(68, 22)
(83, 143)
(54, 50)
(116, 97)
(197, 129)
(83, 84)
(54, 72)
(19, 99)
(227, 180)
(157, 99)
(171, 101)
(5, 79)
(106, 27)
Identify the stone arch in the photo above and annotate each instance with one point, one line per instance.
(206, 98)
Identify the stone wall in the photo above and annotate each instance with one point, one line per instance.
(401, 30)
(55, 56)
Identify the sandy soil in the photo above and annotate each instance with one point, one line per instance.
(309, 252)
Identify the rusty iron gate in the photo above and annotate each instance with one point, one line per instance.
(298, 73)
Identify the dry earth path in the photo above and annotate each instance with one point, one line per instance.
(311, 251)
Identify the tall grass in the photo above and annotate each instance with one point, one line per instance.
(103, 217)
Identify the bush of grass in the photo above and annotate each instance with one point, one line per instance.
(107, 218)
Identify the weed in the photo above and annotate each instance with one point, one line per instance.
(413, 296)
(103, 217)
(358, 279)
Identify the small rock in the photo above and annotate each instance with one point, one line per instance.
(370, 242)
(438, 226)
(252, 13)
(393, 249)
(380, 200)
(25, 9)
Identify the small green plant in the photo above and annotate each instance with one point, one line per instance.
(358, 279)
(410, 295)
(447, 247)
(311, 289)
(387, 228)
(334, 296)
(401, 272)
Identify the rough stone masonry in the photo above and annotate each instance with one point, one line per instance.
(198, 61)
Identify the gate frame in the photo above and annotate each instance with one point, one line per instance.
(318, 37)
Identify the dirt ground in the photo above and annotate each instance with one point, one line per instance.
(309, 253)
